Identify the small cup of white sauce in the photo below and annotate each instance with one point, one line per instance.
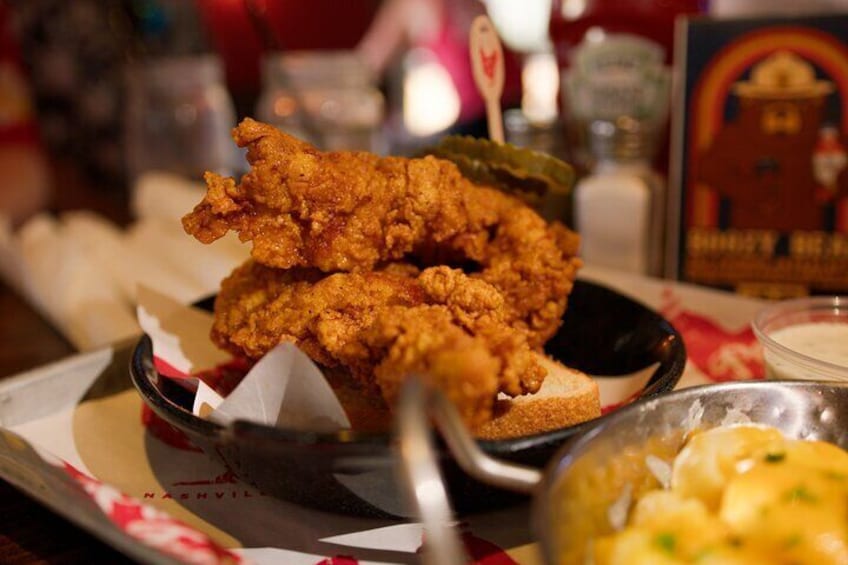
(805, 338)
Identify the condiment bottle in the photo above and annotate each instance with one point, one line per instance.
(617, 50)
(614, 75)
(652, 20)
(619, 207)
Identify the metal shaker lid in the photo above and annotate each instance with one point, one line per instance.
(624, 138)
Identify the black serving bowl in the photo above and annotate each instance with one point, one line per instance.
(603, 333)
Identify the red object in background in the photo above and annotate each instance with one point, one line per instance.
(721, 354)
(25, 188)
(653, 19)
(318, 24)
(288, 25)
(17, 118)
(231, 32)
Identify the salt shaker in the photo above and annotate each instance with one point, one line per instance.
(619, 207)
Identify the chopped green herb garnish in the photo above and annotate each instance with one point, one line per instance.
(792, 541)
(667, 541)
(800, 494)
(775, 457)
(834, 475)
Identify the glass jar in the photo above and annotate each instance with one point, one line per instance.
(616, 54)
(653, 20)
(327, 98)
(179, 116)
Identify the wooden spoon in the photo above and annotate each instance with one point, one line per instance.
(487, 64)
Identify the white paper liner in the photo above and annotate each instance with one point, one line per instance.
(285, 388)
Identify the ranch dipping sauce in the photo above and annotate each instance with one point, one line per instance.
(822, 341)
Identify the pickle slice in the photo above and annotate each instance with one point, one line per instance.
(528, 174)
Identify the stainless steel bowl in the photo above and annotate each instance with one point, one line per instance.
(571, 503)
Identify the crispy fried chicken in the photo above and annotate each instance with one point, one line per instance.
(383, 325)
(351, 211)
(357, 259)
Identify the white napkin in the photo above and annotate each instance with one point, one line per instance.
(66, 282)
(285, 388)
(81, 271)
(180, 334)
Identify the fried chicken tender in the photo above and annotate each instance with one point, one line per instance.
(383, 325)
(353, 211)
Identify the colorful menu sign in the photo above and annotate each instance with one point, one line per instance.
(760, 155)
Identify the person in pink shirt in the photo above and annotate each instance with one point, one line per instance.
(441, 27)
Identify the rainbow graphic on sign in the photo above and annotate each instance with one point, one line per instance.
(706, 107)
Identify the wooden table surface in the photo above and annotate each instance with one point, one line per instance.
(30, 533)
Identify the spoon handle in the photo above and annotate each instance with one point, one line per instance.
(487, 64)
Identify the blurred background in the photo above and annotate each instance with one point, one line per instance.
(111, 111)
(108, 89)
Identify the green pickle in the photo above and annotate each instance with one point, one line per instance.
(528, 174)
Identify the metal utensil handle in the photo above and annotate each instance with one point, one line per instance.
(420, 470)
(421, 479)
(472, 459)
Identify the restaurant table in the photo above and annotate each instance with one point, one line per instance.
(29, 532)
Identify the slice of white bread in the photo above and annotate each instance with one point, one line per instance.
(567, 397)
